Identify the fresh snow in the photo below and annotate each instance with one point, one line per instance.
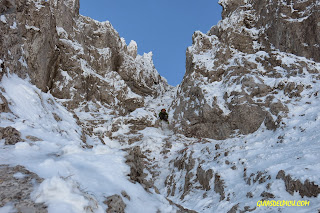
(32, 28)
(76, 179)
(3, 19)
(14, 25)
(74, 44)
(19, 175)
(38, 4)
(23, 62)
(8, 208)
(61, 32)
(105, 51)
(132, 46)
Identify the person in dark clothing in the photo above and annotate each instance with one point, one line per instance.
(163, 115)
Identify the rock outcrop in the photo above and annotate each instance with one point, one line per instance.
(290, 26)
(4, 104)
(308, 189)
(115, 204)
(237, 72)
(11, 135)
(16, 186)
(74, 57)
(135, 160)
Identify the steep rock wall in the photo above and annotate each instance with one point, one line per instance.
(28, 40)
(74, 57)
(290, 26)
(242, 73)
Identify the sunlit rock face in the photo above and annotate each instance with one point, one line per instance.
(244, 71)
(75, 57)
(290, 26)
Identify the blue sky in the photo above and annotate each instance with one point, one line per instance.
(162, 26)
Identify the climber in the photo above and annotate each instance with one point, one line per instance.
(163, 115)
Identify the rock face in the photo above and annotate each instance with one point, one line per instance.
(28, 40)
(290, 26)
(74, 57)
(135, 160)
(237, 73)
(308, 189)
(4, 104)
(17, 184)
(115, 204)
(11, 135)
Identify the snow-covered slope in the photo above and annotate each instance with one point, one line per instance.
(197, 174)
(76, 179)
(237, 173)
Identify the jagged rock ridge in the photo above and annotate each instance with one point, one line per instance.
(74, 57)
(243, 72)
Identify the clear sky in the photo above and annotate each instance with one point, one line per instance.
(164, 27)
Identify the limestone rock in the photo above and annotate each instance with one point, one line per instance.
(74, 57)
(308, 189)
(234, 209)
(11, 135)
(115, 204)
(267, 195)
(204, 177)
(16, 185)
(132, 49)
(181, 209)
(227, 87)
(294, 24)
(219, 186)
(136, 163)
(125, 195)
(4, 107)
(33, 138)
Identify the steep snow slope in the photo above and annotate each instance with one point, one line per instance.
(194, 173)
(214, 176)
(75, 179)
(207, 175)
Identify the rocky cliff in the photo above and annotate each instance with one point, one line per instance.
(74, 57)
(245, 70)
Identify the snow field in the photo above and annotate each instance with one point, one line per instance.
(76, 179)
